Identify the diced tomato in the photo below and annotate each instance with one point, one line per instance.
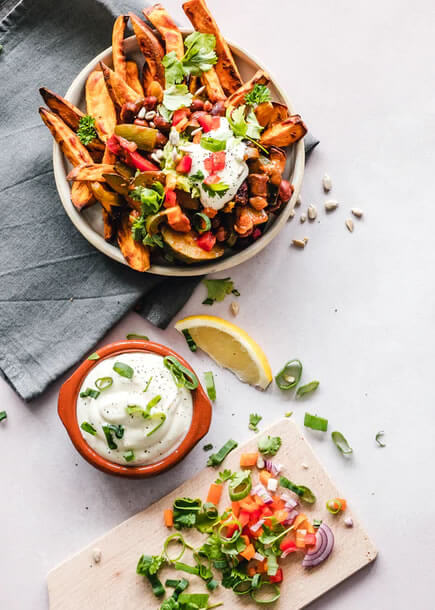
(310, 539)
(218, 160)
(136, 160)
(278, 576)
(255, 516)
(208, 164)
(212, 179)
(256, 234)
(266, 511)
(244, 517)
(206, 241)
(208, 122)
(179, 115)
(288, 545)
(185, 165)
(170, 198)
(113, 145)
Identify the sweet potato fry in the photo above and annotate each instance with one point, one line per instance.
(151, 49)
(81, 195)
(118, 89)
(202, 20)
(92, 172)
(169, 31)
(108, 225)
(280, 113)
(133, 79)
(238, 97)
(284, 133)
(212, 85)
(99, 105)
(71, 146)
(118, 54)
(108, 157)
(136, 254)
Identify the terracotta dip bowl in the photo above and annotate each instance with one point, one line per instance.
(67, 409)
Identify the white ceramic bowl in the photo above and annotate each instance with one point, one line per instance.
(89, 222)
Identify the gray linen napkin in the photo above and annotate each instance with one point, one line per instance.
(58, 295)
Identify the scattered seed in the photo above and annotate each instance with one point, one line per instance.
(312, 212)
(331, 205)
(291, 215)
(326, 183)
(357, 212)
(306, 240)
(235, 308)
(150, 115)
(174, 137)
(305, 466)
(349, 224)
(289, 378)
(348, 522)
(141, 113)
(96, 555)
(303, 218)
(299, 243)
(298, 202)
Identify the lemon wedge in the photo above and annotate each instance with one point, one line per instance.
(230, 346)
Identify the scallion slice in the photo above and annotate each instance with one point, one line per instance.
(190, 342)
(136, 336)
(290, 375)
(109, 438)
(174, 538)
(184, 567)
(88, 428)
(123, 369)
(201, 222)
(181, 375)
(307, 388)
(103, 383)
(148, 383)
(378, 438)
(94, 356)
(217, 458)
(162, 421)
(90, 393)
(129, 456)
(334, 506)
(3, 415)
(236, 534)
(341, 443)
(209, 385)
(315, 423)
(268, 600)
(284, 482)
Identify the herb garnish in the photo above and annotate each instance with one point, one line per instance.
(341, 443)
(254, 419)
(162, 421)
(219, 188)
(123, 369)
(136, 336)
(226, 475)
(217, 458)
(315, 423)
(153, 240)
(3, 415)
(181, 375)
(87, 427)
(269, 445)
(243, 127)
(217, 290)
(190, 342)
(212, 144)
(209, 385)
(129, 456)
(185, 512)
(378, 439)
(258, 95)
(198, 58)
(307, 388)
(103, 383)
(177, 96)
(86, 131)
(208, 447)
(146, 413)
(151, 200)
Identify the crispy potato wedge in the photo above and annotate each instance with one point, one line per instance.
(151, 49)
(118, 89)
(99, 105)
(133, 79)
(212, 85)
(238, 97)
(284, 133)
(203, 21)
(108, 225)
(136, 254)
(118, 54)
(92, 172)
(81, 195)
(169, 31)
(280, 113)
(108, 199)
(263, 112)
(69, 142)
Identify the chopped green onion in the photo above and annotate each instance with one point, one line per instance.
(289, 413)
(3, 415)
(148, 383)
(94, 356)
(172, 583)
(162, 421)
(217, 458)
(136, 336)
(90, 393)
(129, 456)
(341, 443)
(284, 482)
(212, 585)
(209, 385)
(117, 430)
(201, 223)
(290, 375)
(315, 423)
(242, 587)
(208, 447)
(109, 438)
(103, 383)
(143, 568)
(236, 534)
(181, 375)
(190, 342)
(184, 567)
(334, 506)
(88, 428)
(174, 538)
(269, 600)
(307, 388)
(378, 439)
(123, 369)
(317, 522)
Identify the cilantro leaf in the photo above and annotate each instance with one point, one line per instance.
(153, 240)
(217, 290)
(177, 96)
(244, 126)
(254, 419)
(174, 72)
(219, 188)
(269, 445)
(253, 129)
(200, 55)
(86, 131)
(258, 95)
(226, 475)
(150, 198)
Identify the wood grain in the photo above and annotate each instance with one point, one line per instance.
(113, 584)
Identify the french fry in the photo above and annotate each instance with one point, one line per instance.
(118, 89)
(90, 172)
(133, 79)
(162, 21)
(69, 142)
(118, 54)
(284, 133)
(99, 105)
(212, 85)
(136, 254)
(81, 195)
(151, 49)
(108, 225)
(203, 21)
(238, 97)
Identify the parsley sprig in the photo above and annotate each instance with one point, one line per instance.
(258, 95)
(86, 131)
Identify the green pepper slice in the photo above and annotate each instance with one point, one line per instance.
(290, 375)
(144, 137)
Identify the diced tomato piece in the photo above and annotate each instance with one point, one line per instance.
(278, 576)
(208, 122)
(287, 545)
(244, 517)
(185, 165)
(206, 241)
(170, 198)
(310, 539)
(179, 115)
(212, 179)
(218, 160)
(113, 145)
(266, 511)
(255, 516)
(208, 164)
(136, 160)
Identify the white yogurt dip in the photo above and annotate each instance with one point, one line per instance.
(149, 412)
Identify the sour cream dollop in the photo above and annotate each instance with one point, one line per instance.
(234, 172)
(110, 409)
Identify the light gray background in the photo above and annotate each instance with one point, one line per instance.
(357, 309)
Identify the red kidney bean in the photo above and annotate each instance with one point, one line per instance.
(208, 106)
(150, 102)
(218, 108)
(285, 191)
(197, 105)
(161, 123)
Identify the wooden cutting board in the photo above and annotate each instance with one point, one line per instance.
(113, 583)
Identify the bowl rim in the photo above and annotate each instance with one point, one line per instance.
(112, 251)
(67, 411)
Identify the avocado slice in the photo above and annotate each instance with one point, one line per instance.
(184, 247)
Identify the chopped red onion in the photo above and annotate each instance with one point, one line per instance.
(256, 526)
(291, 517)
(274, 469)
(348, 522)
(290, 502)
(322, 549)
(260, 491)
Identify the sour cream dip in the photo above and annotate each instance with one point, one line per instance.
(136, 419)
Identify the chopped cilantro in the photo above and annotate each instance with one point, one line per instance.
(258, 95)
(269, 445)
(254, 419)
(199, 57)
(226, 475)
(217, 290)
(243, 126)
